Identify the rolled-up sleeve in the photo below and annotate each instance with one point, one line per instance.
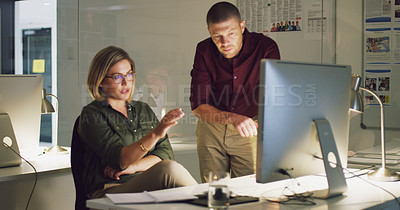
(163, 149)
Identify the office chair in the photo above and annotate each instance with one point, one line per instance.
(77, 166)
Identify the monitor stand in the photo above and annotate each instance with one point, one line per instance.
(334, 172)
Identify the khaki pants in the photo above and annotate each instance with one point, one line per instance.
(221, 148)
(163, 175)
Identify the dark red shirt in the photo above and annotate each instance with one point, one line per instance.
(229, 86)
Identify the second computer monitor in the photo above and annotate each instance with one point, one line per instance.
(21, 99)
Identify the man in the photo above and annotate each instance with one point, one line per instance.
(297, 26)
(152, 92)
(224, 92)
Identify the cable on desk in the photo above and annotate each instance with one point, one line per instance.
(36, 174)
(352, 173)
(358, 176)
(292, 197)
(284, 172)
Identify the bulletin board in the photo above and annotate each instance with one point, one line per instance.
(381, 62)
(307, 27)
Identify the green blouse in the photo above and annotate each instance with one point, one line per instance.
(106, 131)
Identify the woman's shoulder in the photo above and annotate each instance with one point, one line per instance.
(139, 104)
(94, 106)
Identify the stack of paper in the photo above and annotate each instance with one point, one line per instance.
(150, 197)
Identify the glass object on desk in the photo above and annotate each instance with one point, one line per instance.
(218, 192)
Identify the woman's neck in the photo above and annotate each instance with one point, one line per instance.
(120, 106)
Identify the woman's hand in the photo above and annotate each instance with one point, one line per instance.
(113, 173)
(169, 120)
(134, 153)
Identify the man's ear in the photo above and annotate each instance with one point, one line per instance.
(242, 25)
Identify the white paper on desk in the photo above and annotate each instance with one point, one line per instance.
(149, 197)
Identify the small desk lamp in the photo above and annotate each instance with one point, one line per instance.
(356, 104)
(47, 107)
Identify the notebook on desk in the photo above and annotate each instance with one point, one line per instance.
(7, 156)
(203, 200)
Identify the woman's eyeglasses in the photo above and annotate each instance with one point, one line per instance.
(119, 78)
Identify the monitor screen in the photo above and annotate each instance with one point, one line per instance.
(21, 98)
(292, 96)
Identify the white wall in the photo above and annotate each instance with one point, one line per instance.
(349, 51)
(154, 32)
(69, 88)
(159, 32)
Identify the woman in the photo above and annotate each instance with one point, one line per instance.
(127, 149)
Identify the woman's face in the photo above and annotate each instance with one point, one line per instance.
(118, 90)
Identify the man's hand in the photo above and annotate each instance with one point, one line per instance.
(244, 125)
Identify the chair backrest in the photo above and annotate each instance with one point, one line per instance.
(77, 167)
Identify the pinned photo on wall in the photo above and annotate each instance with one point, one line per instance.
(370, 83)
(292, 25)
(378, 79)
(383, 83)
(370, 100)
(378, 44)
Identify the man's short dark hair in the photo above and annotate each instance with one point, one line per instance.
(222, 11)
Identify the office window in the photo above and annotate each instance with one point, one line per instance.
(35, 52)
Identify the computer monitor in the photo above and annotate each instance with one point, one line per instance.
(21, 98)
(9, 151)
(301, 105)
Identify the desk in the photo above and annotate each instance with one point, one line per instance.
(54, 188)
(360, 195)
(392, 152)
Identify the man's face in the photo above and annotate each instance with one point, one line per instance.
(227, 36)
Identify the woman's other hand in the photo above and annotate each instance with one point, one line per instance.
(113, 173)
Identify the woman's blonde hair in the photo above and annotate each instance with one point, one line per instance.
(101, 64)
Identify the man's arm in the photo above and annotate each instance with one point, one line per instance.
(243, 124)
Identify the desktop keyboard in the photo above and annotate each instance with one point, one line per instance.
(373, 161)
